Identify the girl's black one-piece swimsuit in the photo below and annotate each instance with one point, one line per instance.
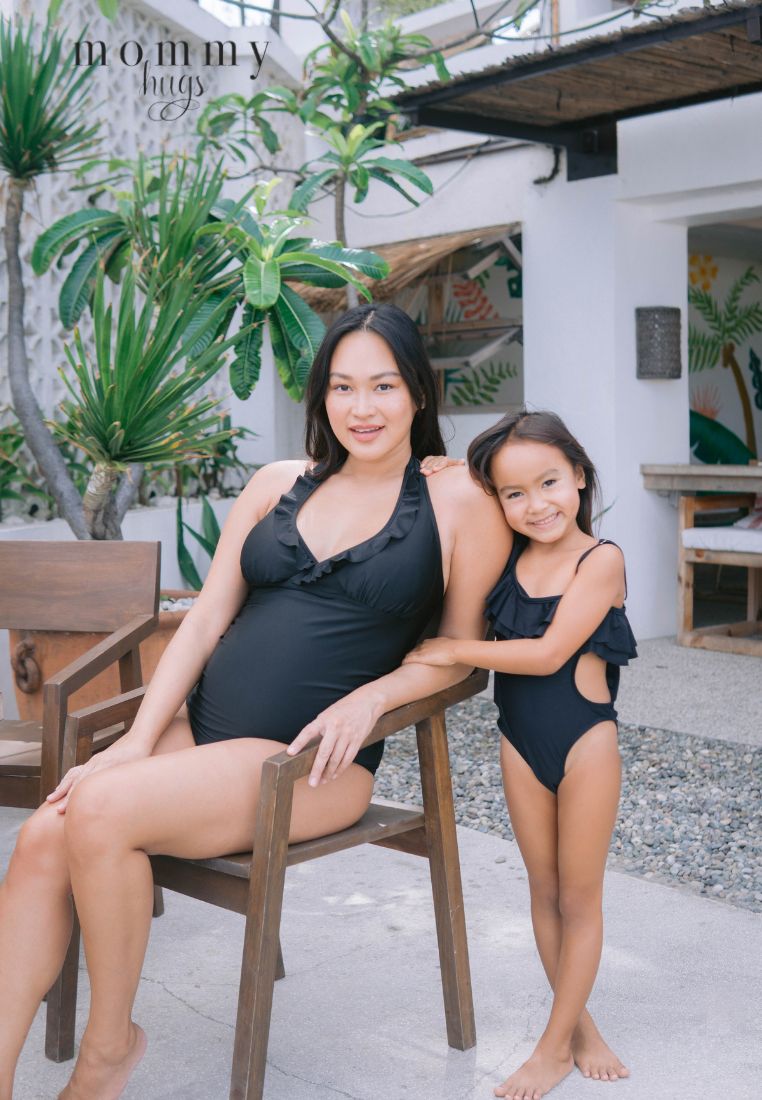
(310, 632)
(543, 716)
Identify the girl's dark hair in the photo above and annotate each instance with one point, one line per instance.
(539, 427)
(405, 343)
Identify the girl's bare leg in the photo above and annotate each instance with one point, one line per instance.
(197, 803)
(534, 817)
(567, 929)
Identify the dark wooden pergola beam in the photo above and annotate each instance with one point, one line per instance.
(590, 141)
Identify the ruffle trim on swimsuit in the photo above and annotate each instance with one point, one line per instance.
(613, 640)
(400, 524)
(515, 615)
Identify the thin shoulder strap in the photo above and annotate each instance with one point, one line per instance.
(603, 542)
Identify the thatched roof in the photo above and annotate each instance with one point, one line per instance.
(665, 61)
(408, 261)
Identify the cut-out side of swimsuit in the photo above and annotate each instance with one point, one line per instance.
(544, 716)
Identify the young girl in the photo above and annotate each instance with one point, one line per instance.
(561, 635)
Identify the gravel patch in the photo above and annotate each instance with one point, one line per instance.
(690, 813)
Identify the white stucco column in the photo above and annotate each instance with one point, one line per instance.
(589, 260)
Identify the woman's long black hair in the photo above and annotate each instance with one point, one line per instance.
(394, 326)
(539, 427)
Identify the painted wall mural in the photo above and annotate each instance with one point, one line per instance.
(725, 358)
(478, 345)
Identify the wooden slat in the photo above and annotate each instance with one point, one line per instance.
(711, 479)
(16, 729)
(724, 557)
(724, 643)
(107, 582)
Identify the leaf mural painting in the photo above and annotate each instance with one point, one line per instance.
(729, 324)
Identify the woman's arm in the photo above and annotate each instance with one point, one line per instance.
(475, 544)
(214, 609)
(597, 586)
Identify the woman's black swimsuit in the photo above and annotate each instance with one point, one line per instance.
(543, 716)
(312, 631)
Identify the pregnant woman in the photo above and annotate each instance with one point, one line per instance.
(326, 574)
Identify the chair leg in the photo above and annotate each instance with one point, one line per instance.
(261, 940)
(446, 882)
(685, 596)
(754, 597)
(62, 1004)
(158, 902)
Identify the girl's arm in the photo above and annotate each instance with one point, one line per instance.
(476, 556)
(596, 587)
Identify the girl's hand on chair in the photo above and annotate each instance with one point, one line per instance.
(121, 752)
(434, 651)
(342, 728)
(433, 463)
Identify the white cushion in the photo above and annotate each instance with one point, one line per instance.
(742, 540)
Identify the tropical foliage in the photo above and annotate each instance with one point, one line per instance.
(728, 324)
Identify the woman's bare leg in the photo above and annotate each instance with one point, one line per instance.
(197, 803)
(35, 928)
(36, 920)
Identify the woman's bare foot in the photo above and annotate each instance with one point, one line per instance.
(97, 1077)
(536, 1077)
(593, 1056)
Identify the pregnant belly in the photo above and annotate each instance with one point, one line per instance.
(287, 656)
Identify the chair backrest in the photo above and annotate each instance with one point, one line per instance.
(77, 586)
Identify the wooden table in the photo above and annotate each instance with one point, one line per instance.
(699, 479)
(688, 482)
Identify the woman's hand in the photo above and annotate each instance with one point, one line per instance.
(121, 752)
(342, 728)
(433, 463)
(434, 651)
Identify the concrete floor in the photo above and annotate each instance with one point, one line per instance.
(679, 994)
(360, 1014)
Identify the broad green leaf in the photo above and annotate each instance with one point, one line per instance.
(286, 358)
(405, 169)
(188, 570)
(261, 280)
(109, 8)
(301, 325)
(345, 273)
(443, 73)
(366, 262)
(68, 229)
(209, 524)
(305, 192)
(245, 368)
(78, 286)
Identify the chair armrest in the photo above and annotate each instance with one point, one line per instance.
(100, 656)
(295, 767)
(82, 725)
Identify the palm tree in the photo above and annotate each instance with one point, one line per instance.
(729, 325)
(43, 128)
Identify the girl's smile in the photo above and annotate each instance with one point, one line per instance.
(538, 489)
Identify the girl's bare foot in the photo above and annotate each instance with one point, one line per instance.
(594, 1057)
(536, 1077)
(97, 1077)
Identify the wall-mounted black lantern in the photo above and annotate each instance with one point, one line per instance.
(658, 341)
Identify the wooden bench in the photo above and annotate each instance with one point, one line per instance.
(719, 546)
(252, 883)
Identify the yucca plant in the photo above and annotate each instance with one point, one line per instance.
(130, 400)
(44, 127)
(176, 217)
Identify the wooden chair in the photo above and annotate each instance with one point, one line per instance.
(252, 883)
(74, 587)
(719, 546)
